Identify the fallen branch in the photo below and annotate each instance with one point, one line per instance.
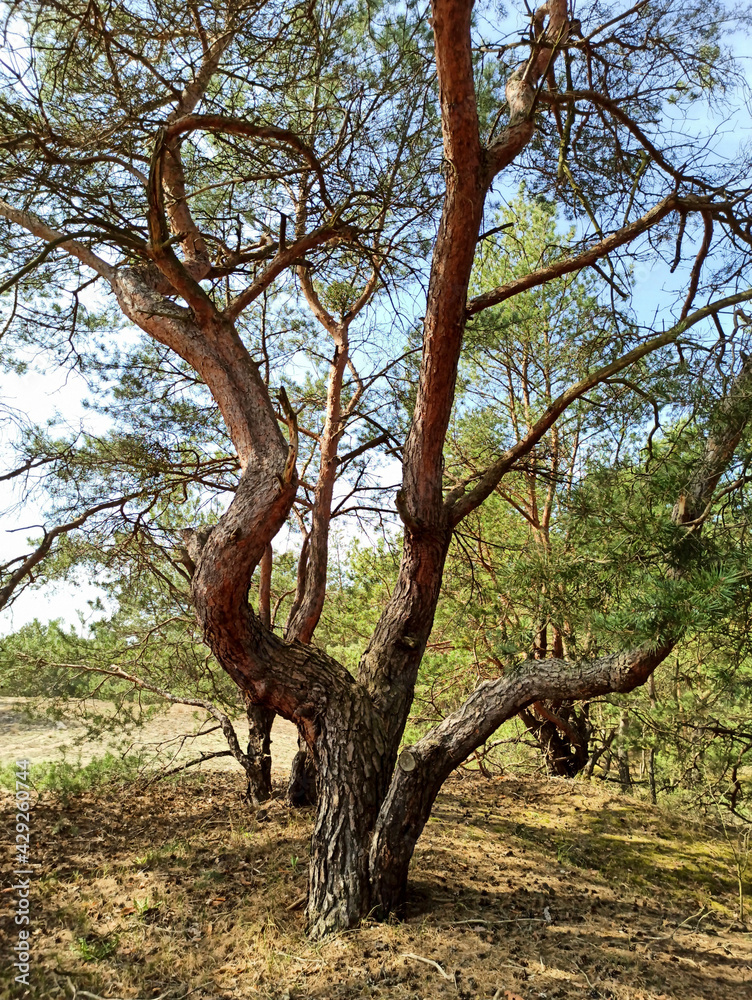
(191, 763)
(297, 903)
(94, 996)
(429, 961)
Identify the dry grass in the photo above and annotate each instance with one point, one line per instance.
(180, 890)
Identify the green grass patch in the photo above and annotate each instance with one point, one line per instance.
(65, 778)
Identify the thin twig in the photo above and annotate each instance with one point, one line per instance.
(429, 961)
(95, 996)
(297, 903)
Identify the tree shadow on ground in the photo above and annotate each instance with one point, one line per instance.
(544, 889)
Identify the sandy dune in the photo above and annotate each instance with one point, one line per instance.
(169, 736)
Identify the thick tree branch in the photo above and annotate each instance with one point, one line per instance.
(461, 503)
(423, 767)
(389, 665)
(183, 278)
(454, 64)
(571, 264)
(36, 227)
(524, 85)
(214, 350)
(195, 253)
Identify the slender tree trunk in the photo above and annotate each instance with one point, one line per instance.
(651, 776)
(597, 754)
(303, 781)
(562, 734)
(622, 754)
(260, 721)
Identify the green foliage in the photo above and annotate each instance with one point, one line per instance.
(575, 552)
(65, 779)
(577, 546)
(94, 949)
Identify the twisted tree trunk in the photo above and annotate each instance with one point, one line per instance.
(370, 812)
(562, 734)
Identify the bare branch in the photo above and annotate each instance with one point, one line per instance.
(702, 253)
(284, 259)
(587, 258)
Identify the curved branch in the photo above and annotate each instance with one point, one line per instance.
(35, 557)
(284, 258)
(702, 254)
(216, 352)
(224, 721)
(35, 226)
(180, 275)
(179, 213)
(563, 97)
(233, 126)
(523, 88)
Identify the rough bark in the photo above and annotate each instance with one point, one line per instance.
(370, 813)
(302, 785)
(388, 668)
(423, 768)
(260, 721)
(349, 754)
(426, 765)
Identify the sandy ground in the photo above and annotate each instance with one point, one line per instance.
(166, 738)
(519, 890)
